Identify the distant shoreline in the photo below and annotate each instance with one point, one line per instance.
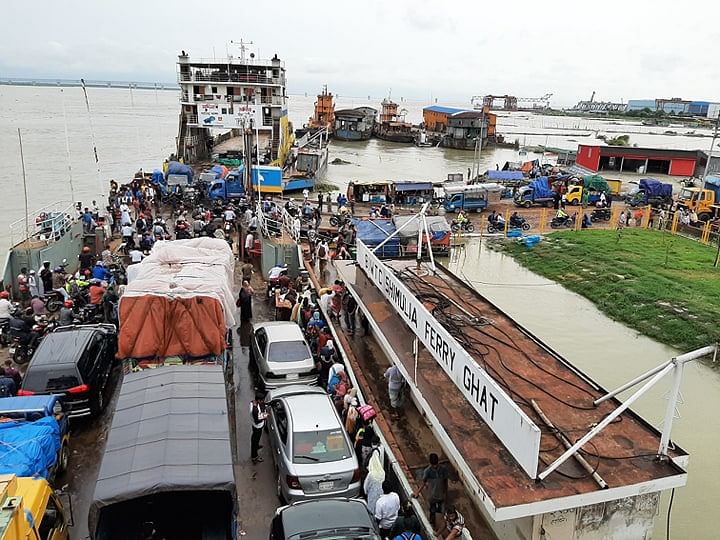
(72, 83)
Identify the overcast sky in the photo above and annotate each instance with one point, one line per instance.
(450, 50)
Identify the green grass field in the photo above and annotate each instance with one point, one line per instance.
(663, 286)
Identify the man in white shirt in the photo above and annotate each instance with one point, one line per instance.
(6, 307)
(252, 224)
(136, 256)
(306, 194)
(248, 215)
(275, 271)
(127, 234)
(229, 214)
(249, 244)
(386, 509)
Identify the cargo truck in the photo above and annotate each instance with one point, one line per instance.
(30, 510)
(704, 201)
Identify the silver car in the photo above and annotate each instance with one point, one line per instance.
(313, 454)
(282, 355)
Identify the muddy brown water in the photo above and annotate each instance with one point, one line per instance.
(612, 354)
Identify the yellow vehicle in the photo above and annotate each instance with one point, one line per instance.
(597, 184)
(33, 498)
(703, 200)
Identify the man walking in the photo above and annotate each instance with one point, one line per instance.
(435, 476)
(258, 415)
(386, 509)
(395, 385)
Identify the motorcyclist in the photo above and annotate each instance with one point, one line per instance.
(86, 258)
(100, 272)
(561, 214)
(58, 282)
(96, 292)
(516, 220)
(276, 271)
(462, 218)
(20, 326)
(67, 315)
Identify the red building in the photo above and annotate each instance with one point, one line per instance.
(640, 160)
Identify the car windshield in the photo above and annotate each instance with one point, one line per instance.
(56, 379)
(686, 194)
(320, 446)
(288, 351)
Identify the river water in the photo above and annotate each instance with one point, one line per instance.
(138, 129)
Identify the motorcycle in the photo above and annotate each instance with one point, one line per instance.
(560, 222)
(5, 337)
(19, 351)
(466, 226)
(53, 301)
(600, 214)
(497, 226)
(339, 220)
(91, 314)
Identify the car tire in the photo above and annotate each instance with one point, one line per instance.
(278, 488)
(63, 458)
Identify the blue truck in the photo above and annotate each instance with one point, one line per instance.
(34, 436)
(471, 197)
(537, 192)
(652, 192)
(269, 178)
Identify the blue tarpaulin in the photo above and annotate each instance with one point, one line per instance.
(175, 167)
(505, 175)
(29, 448)
(374, 231)
(157, 176)
(541, 188)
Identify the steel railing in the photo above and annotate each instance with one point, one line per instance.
(46, 224)
(248, 78)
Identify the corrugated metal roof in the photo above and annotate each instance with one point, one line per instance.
(441, 109)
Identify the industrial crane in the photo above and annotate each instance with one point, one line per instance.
(510, 103)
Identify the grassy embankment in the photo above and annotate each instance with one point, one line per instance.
(661, 285)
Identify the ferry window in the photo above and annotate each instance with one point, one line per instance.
(224, 110)
(51, 520)
(214, 89)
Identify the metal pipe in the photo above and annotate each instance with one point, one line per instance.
(694, 355)
(567, 444)
(429, 244)
(416, 216)
(636, 380)
(670, 410)
(607, 420)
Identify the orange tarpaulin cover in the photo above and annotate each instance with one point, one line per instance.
(161, 326)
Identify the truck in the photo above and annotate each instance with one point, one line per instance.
(169, 473)
(30, 510)
(268, 178)
(537, 192)
(704, 201)
(651, 192)
(471, 197)
(34, 436)
(595, 184)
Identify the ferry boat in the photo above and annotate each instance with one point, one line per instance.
(392, 126)
(309, 161)
(354, 124)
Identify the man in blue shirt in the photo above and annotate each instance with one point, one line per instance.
(101, 273)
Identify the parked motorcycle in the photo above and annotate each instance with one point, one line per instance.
(600, 214)
(466, 226)
(5, 337)
(19, 351)
(496, 226)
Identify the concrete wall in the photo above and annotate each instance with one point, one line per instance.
(632, 518)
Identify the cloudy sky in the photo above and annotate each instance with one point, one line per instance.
(449, 50)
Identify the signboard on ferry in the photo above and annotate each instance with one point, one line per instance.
(512, 426)
(218, 115)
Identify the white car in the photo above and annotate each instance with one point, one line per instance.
(313, 454)
(282, 355)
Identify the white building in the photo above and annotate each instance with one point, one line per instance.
(221, 94)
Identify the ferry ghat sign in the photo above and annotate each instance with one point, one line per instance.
(512, 426)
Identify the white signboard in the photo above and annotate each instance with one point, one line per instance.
(212, 115)
(512, 426)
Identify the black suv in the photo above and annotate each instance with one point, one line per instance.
(75, 363)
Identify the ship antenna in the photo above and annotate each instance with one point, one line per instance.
(92, 135)
(67, 147)
(22, 162)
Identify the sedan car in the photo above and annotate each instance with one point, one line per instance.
(75, 363)
(282, 355)
(314, 457)
(337, 519)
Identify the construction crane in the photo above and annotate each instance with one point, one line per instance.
(510, 103)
